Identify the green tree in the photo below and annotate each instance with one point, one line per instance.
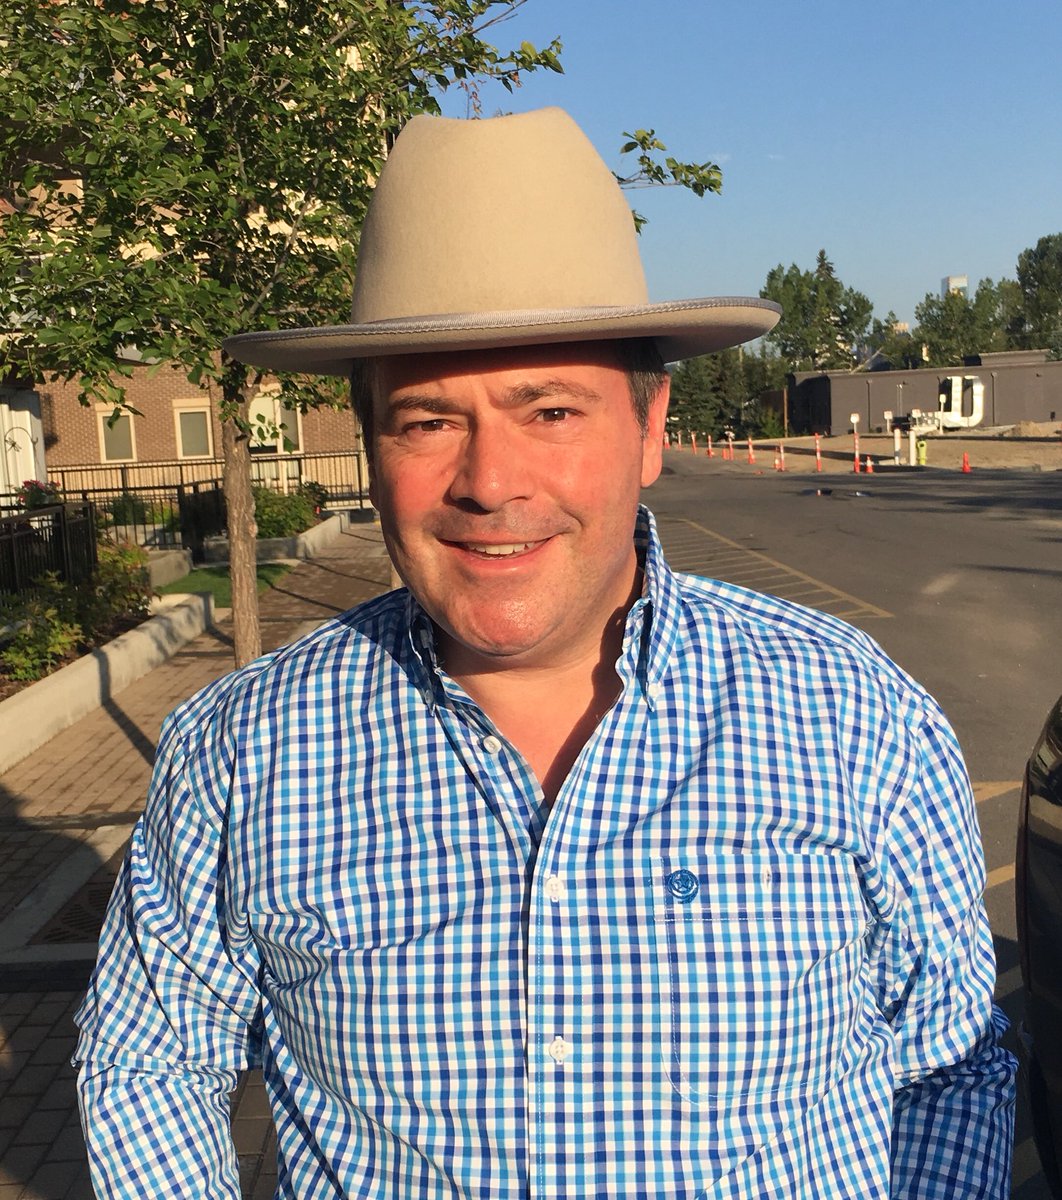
(997, 313)
(955, 326)
(175, 173)
(707, 393)
(716, 392)
(171, 174)
(1040, 280)
(947, 328)
(823, 322)
(891, 345)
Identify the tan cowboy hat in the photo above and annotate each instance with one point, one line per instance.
(504, 232)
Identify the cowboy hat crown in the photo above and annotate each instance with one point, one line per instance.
(502, 232)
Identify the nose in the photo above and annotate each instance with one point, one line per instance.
(492, 468)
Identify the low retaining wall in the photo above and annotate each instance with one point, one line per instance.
(38, 713)
(303, 545)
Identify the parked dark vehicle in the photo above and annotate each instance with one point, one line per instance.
(1038, 894)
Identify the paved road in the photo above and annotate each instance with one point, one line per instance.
(956, 575)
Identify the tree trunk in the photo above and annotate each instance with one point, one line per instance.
(243, 532)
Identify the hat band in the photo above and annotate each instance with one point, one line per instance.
(519, 318)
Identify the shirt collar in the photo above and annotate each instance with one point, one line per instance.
(650, 633)
(654, 621)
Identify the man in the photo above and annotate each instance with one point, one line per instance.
(556, 875)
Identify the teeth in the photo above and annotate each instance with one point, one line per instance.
(500, 551)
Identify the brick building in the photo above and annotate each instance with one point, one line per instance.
(173, 438)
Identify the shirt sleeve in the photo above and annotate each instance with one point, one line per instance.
(954, 1103)
(167, 1024)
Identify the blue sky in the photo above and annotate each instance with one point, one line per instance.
(911, 140)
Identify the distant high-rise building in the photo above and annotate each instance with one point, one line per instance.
(954, 283)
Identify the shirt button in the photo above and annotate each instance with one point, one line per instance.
(491, 744)
(654, 691)
(555, 888)
(683, 885)
(558, 1049)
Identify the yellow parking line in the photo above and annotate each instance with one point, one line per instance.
(1000, 875)
(989, 791)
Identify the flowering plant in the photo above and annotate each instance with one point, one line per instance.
(36, 494)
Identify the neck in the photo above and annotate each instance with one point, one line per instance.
(548, 711)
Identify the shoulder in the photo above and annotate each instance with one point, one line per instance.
(343, 655)
(787, 637)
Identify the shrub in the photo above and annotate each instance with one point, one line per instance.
(127, 509)
(280, 516)
(131, 509)
(119, 592)
(316, 493)
(41, 629)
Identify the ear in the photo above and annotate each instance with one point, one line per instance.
(653, 442)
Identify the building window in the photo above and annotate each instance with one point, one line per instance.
(274, 428)
(117, 443)
(193, 433)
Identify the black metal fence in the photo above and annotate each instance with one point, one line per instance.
(343, 474)
(202, 513)
(160, 517)
(165, 505)
(59, 538)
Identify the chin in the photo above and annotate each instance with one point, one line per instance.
(500, 639)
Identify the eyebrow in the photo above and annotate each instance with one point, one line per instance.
(517, 397)
(414, 402)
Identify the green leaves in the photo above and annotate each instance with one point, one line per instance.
(699, 178)
(183, 179)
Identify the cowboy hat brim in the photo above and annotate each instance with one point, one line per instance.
(681, 328)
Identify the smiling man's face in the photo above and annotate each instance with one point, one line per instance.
(507, 483)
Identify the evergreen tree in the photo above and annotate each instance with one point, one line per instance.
(823, 322)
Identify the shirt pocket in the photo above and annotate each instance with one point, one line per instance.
(763, 969)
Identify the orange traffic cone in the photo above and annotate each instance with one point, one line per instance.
(870, 465)
(965, 464)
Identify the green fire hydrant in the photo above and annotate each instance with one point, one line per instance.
(920, 452)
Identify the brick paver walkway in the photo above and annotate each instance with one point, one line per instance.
(67, 808)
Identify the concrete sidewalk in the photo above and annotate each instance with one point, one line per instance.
(65, 814)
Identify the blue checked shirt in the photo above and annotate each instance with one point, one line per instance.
(743, 955)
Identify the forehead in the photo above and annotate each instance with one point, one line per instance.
(580, 361)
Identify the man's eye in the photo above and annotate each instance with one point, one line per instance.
(553, 415)
(432, 425)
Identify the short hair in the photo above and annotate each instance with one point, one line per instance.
(640, 358)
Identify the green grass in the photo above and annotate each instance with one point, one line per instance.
(216, 581)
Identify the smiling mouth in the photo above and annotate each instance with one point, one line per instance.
(500, 549)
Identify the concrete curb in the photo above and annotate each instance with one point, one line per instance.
(37, 713)
(303, 545)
